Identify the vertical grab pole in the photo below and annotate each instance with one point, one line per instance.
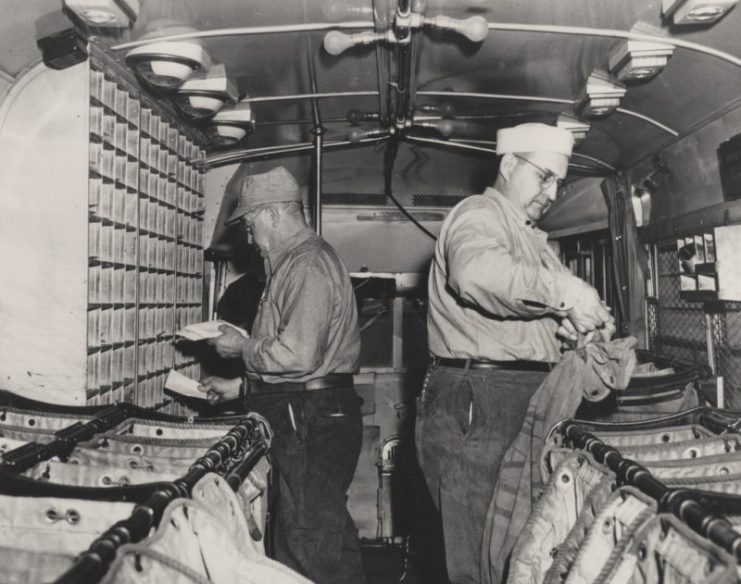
(318, 133)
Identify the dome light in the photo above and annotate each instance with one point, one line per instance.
(105, 13)
(696, 12)
(635, 60)
(205, 93)
(232, 124)
(600, 96)
(167, 64)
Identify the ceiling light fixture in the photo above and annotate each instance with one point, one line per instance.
(205, 93)
(695, 12)
(600, 97)
(167, 64)
(105, 13)
(635, 60)
(474, 29)
(577, 127)
(232, 123)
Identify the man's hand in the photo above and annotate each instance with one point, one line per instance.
(567, 331)
(589, 312)
(219, 389)
(228, 345)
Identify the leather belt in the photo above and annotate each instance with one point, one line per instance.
(329, 381)
(487, 364)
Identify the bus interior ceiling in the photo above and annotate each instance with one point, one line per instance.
(417, 120)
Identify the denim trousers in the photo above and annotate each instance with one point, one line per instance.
(315, 449)
(466, 420)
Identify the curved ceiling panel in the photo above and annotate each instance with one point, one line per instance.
(693, 89)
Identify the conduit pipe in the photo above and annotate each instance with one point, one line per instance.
(573, 155)
(269, 151)
(474, 148)
(499, 96)
(535, 98)
(363, 24)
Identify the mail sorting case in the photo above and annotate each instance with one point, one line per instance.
(141, 197)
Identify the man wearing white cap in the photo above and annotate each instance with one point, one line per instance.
(299, 361)
(498, 295)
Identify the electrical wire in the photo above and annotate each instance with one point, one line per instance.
(389, 159)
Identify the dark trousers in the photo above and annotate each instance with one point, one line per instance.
(465, 422)
(315, 463)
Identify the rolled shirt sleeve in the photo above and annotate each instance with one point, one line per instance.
(484, 271)
(496, 288)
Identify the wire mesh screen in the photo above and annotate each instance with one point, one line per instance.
(430, 200)
(680, 331)
(365, 199)
(727, 341)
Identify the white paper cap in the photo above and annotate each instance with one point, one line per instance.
(534, 138)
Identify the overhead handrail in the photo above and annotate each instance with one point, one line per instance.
(535, 98)
(268, 151)
(246, 31)
(500, 26)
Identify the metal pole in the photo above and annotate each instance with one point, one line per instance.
(318, 140)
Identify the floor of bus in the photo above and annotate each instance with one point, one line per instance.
(389, 564)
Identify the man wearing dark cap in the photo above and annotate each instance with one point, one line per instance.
(299, 362)
(498, 295)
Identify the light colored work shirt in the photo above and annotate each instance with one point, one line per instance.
(307, 322)
(495, 285)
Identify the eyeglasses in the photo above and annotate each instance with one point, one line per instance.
(547, 177)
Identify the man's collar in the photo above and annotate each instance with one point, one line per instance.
(302, 234)
(516, 214)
